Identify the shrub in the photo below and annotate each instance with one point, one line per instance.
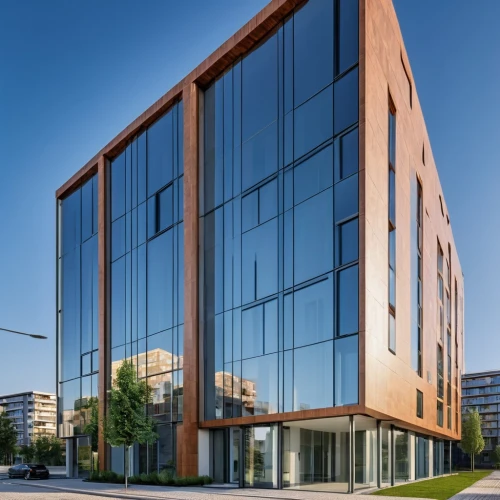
(164, 478)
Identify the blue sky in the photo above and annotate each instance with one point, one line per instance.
(74, 74)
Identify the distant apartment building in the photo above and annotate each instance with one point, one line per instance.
(32, 413)
(481, 392)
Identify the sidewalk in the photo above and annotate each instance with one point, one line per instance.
(485, 489)
(195, 493)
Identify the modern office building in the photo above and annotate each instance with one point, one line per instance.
(32, 413)
(269, 243)
(481, 392)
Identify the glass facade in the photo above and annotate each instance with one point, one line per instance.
(147, 276)
(280, 280)
(77, 308)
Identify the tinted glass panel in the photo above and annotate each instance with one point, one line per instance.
(313, 49)
(346, 155)
(252, 328)
(348, 34)
(160, 281)
(313, 122)
(260, 156)
(392, 197)
(118, 302)
(71, 220)
(268, 201)
(118, 187)
(346, 371)
(313, 377)
(165, 209)
(87, 210)
(313, 237)
(250, 211)
(313, 175)
(159, 353)
(160, 153)
(260, 261)
(118, 232)
(346, 101)
(260, 87)
(346, 198)
(271, 327)
(313, 313)
(347, 242)
(347, 301)
(260, 385)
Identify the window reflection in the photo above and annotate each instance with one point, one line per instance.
(313, 376)
(260, 394)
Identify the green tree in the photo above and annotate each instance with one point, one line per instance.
(92, 427)
(496, 454)
(472, 441)
(8, 439)
(126, 421)
(48, 450)
(27, 452)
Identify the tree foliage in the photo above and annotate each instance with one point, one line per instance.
(496, 454)
(92, 427)
(48, 450)
(8, 438)
(27, 452)
(472, 441)
(126, 421)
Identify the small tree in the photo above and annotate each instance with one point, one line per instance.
(126, 421)
(8, 438)
(472, 441)
(496, 454)
(27, 452)
(92, 427)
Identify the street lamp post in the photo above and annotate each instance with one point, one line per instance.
(32, 335)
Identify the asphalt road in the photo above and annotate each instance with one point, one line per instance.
(18, 490)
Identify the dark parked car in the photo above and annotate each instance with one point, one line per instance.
(29, 471)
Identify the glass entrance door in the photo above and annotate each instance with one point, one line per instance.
(234, 455)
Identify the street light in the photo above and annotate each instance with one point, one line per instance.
(32, 335)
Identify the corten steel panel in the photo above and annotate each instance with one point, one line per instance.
(187, 449)
(389, 379)
(103, 301)
(240, 43)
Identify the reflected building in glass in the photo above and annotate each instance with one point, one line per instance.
(263, 243)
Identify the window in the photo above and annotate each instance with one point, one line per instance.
(259, 206)
(440, 413)
(160, 155)
(440, 297)
(417, 277)
(408, 81)
(420, 404)
(313, 237)
(347, 301)
(423, 154)
(440, 382)
(392, 225)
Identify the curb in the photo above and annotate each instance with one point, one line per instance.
(95, 493)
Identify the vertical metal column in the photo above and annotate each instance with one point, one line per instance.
(393, 457)
(242, 464)
(379, 453)
(280, 455)
(451, 467)
(352, 456)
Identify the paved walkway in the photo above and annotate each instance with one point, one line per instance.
(77, 486)
(485, 489)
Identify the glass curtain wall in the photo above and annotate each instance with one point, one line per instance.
(280, 217)
(147, 275)
(77, 298)
(421, 457)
